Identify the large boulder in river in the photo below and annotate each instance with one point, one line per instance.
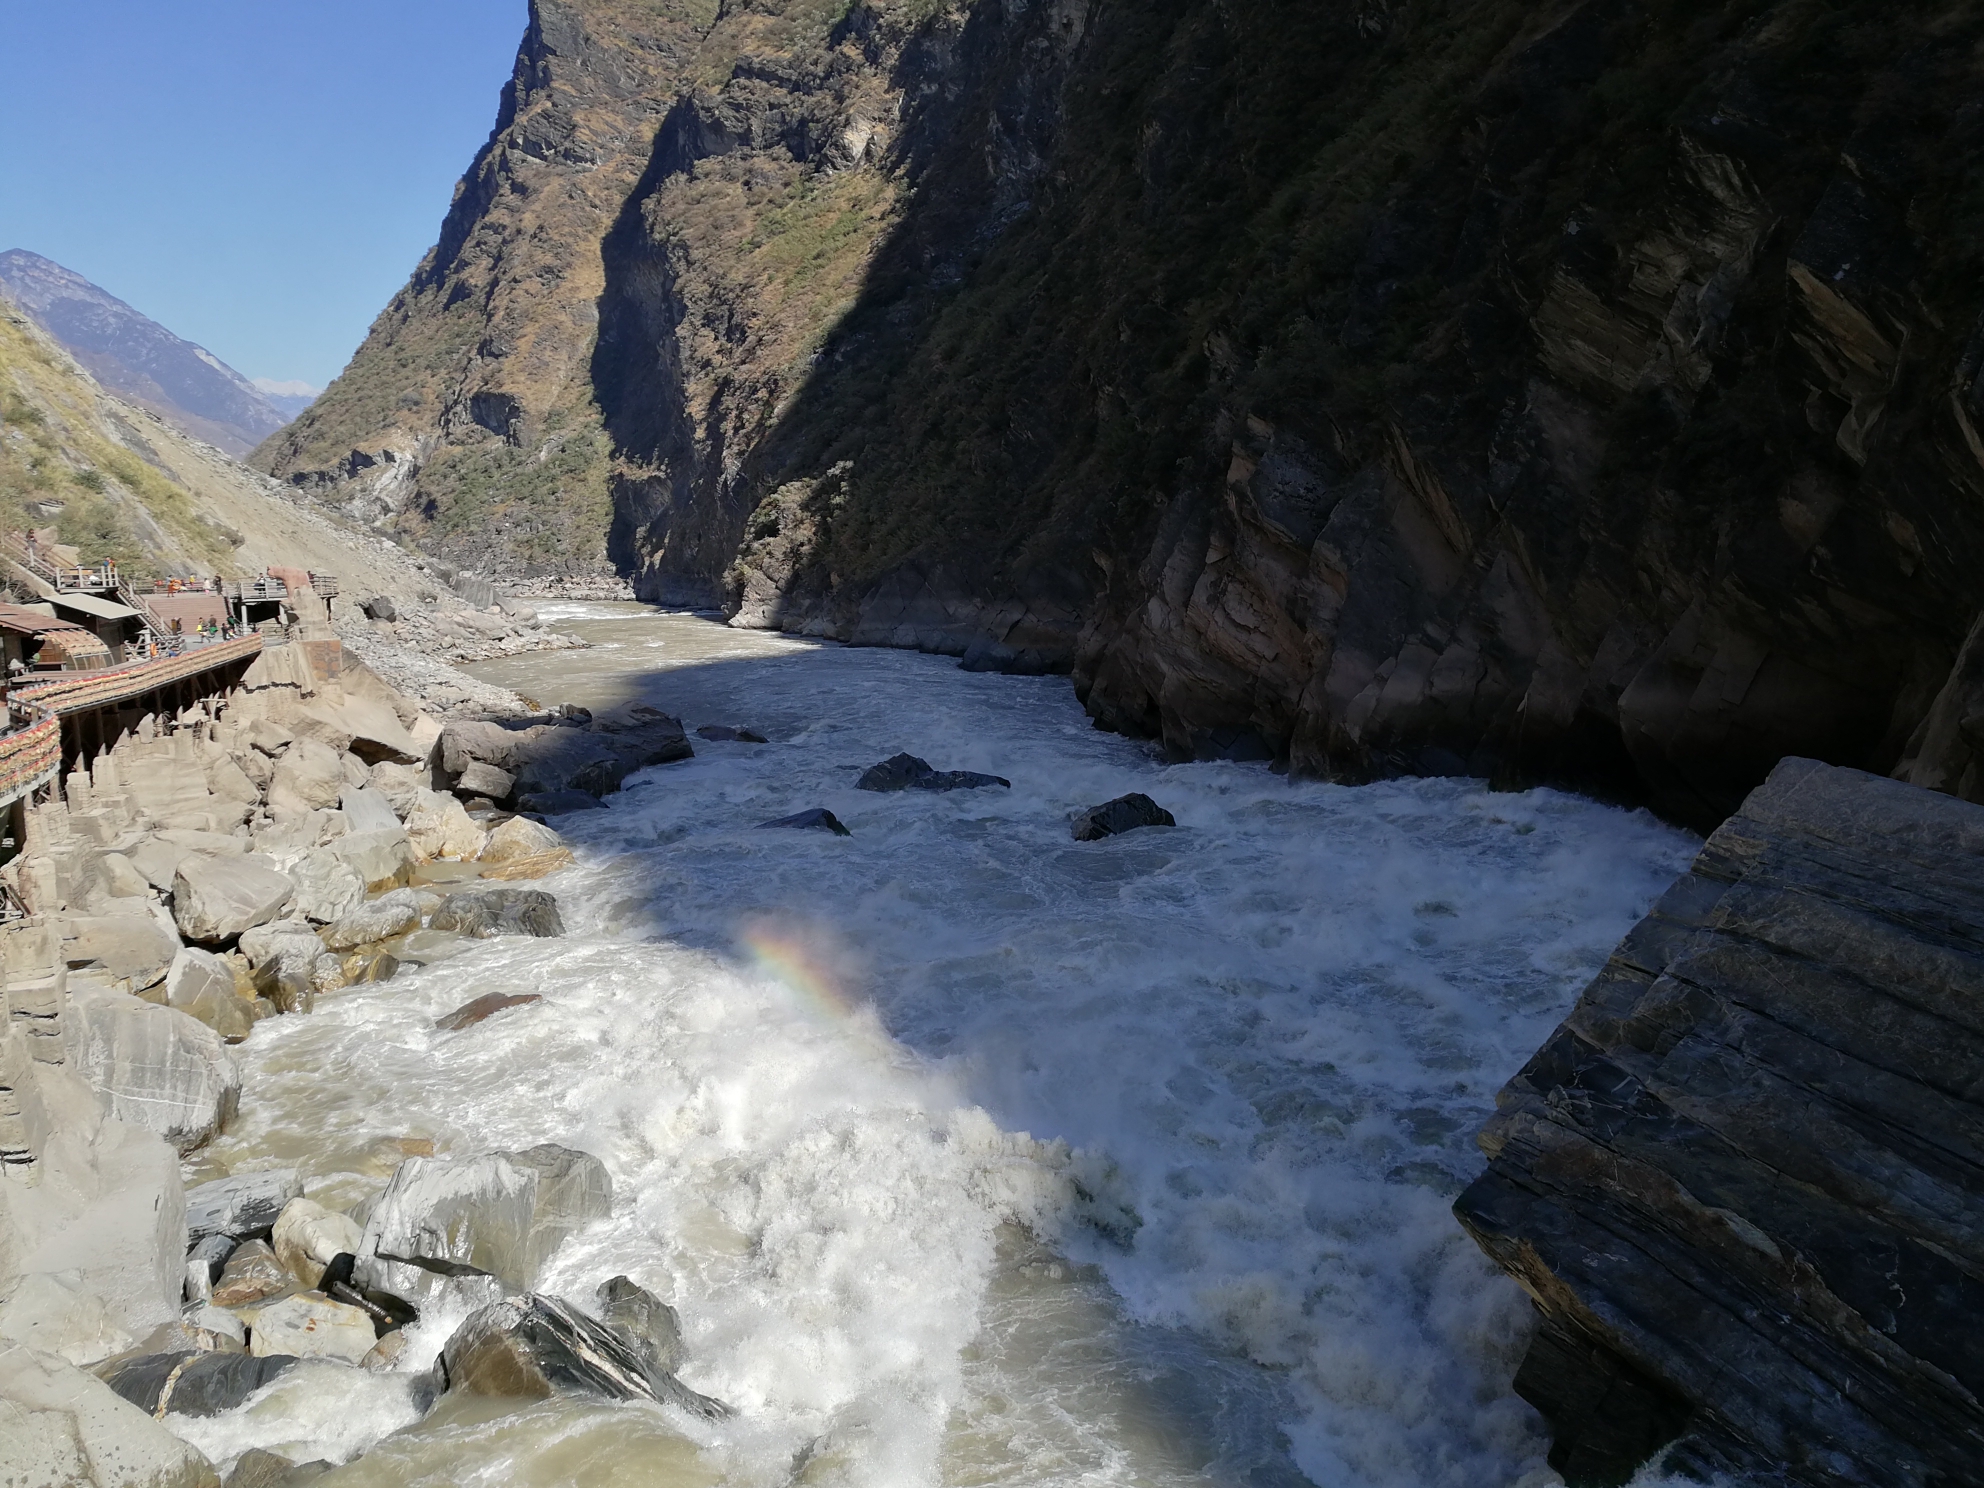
(1124, 814)
(308, 1237)
(562, 755)
(59, 1425)
(311, 1326)
(816, 818)
(215, 899)
(648, 1324)
(499, 1215)
(240, 1206)
(154, 1067)
(532, 1347)
(251, 1275)
(283, 961)
(191, 1383)
(484, 913)
(1741, 1181)
(907, 772)
(559, 802)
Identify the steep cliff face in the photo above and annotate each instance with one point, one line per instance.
(1585, 393)
(466, 420)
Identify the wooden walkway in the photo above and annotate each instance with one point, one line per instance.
(74, 715)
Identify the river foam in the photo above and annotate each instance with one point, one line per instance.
(969, 1153)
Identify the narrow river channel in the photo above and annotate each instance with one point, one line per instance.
(971, 1154)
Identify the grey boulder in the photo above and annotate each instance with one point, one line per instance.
(155, 1067)
(200, 984)
(497, 1215)
(383, 858)
(368, 810)
(483, 913)
(480, 779)
(135, 950)
(63, 1426)
(215, 899)
(648, 1324)
(559, 802)
(326, 885)
(192, 1384)
(308, 777)
(388, 915)
(241, 1206)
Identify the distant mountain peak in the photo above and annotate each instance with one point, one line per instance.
(138, 359)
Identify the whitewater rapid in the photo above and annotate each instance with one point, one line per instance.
(971, 1154)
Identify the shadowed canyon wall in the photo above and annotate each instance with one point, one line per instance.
(1584, 393)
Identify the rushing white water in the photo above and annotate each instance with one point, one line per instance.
(969, 1153)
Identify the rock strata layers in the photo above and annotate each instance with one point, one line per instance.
(1744, 1180)
(1590, 396)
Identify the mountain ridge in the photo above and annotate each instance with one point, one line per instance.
(142, 361)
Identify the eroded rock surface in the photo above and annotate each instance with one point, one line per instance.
(497, 1215)
(532, 1347)
(1744, 1180)
(482, 913)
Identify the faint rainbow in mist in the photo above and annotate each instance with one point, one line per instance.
(788, 960)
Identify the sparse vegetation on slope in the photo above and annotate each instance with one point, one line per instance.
(58, 469)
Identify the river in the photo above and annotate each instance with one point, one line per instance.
(971, 1154)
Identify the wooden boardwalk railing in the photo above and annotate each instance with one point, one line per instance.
(74, 692)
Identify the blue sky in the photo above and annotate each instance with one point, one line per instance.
(258, 176)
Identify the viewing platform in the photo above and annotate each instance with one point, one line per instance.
(170, 615)
(61, 718)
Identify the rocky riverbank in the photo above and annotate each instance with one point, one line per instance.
(313, 830)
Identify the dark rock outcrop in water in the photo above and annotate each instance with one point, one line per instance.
(192, 1384)
(532, 1347)
(817, 818)
(906, 772)
(1744, 1180)
(1589, 394)
(1124, 814)
(486, 1006)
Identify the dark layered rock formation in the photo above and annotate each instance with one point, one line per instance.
(1744, 1180)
